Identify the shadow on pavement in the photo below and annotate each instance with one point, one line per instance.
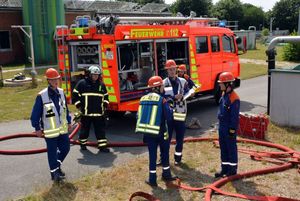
(97, 158)
(248, 106)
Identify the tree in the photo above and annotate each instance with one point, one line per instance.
(265, 32)
(291, 52)
(253, 16)
(144, 1)
(230, 10)
(286, 14)
(201, 7)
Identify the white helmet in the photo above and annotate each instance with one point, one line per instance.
(96, 70)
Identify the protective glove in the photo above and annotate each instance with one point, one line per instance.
(77, 117)
(170, 102)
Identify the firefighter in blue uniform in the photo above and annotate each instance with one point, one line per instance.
(175, 89)
(152, 117)
(91, 99)
(182, 74)
(50, 118)
(228, 116)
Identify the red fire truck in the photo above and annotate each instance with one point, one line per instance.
(132, 49)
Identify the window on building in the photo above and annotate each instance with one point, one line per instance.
(5, 42)
(215, 44)
(228, 44)
(201, 44)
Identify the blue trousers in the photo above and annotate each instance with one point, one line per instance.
(179, 127)
(229, 154)
(153, 143)
(57, 150)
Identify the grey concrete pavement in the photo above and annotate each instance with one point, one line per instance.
(21, 175)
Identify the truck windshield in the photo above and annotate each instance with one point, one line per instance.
(228, 44)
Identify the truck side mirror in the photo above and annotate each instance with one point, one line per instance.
(238, 40)
(244, 45)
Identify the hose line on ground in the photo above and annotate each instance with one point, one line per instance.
(279, 158)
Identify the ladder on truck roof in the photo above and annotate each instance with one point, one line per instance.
(150, 20)
(60, 35)
(162, 19)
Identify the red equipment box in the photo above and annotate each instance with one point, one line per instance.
(253, 125)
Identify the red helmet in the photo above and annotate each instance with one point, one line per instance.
(226, 77)
(170, 64)
(182, 68)
(155, 81)
(52, 74)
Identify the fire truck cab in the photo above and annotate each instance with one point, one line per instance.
(132, 49)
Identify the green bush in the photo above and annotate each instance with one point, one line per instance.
(291, 52)
(265, 32)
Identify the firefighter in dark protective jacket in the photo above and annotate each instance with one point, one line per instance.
(50, 118)
(228, 116)
(153, 114)
(91, 98)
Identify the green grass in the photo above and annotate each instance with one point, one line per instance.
(16, 66)
(286, 136)
(17, 102)
(252, 70)
(260, 53)
(13, 67)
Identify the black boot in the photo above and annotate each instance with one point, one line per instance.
(177, 159)
(152, 180)
(169, 178)
(223, 172)
(220, 174)
(83, 147)
(62, 173)
(104, 149)
(56, 177)
(152, 184)
(176, 163)
(231, 174)
(232, 171)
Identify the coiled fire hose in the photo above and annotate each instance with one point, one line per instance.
(285, 159)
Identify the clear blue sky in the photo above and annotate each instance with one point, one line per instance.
(265, 4)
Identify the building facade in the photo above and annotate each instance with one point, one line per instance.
(12, 40)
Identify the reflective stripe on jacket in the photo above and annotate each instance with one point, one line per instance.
(90, 97)
(54, 122)
(180, 87)
(150, 114)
